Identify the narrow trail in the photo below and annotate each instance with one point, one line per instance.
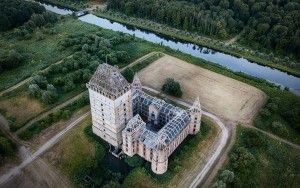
(235, 38)
(210, 160)
(41, 116)
(296, 146)
(140, 60)
(11, 173)
(29, 79)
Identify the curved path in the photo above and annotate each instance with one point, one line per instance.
(41, 116)
(217, 151)
(11, 173)
(28, 79)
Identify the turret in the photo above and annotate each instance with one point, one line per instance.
(195, 114)
(136, 84)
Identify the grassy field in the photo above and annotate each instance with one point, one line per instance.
(74, 152)
(226, 97)
(42, 53)
(259, 161)
(81, 153)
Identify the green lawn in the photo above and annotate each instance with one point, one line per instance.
(82, 153)
(260, 161)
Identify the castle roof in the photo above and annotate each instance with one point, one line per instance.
(108, 81)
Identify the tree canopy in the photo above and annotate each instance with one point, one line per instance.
(172, 87)
(273, 24)
(17, 12)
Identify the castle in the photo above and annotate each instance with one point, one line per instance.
(129, 119)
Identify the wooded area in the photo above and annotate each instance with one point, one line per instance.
(17, 12)
(273, 24)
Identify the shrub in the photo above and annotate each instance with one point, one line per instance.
(135, 161)
(219, 184)
(227, 176)
(34, 90)
(7, 147)
(128, 74)
(172, 87)
(279, 128)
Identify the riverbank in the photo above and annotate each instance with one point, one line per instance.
(196, 39)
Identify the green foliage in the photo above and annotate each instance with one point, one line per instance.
(227, 176)
(263, 160)
(64, 113)
(50, 95)
(135, 161)
(34, 90)
(128, 74)
(7, 148)
(172, 87)
(263, 21)
(10, 60)
(17, 12)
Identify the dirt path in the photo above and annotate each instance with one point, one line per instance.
(78, 96)
(38, 174)
(140, 60)
(201, 171)
(13, 172)
(296, 146)
(235, 38)
(43, 115)
(28, 79)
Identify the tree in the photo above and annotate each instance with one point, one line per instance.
(128, 74)
(227, 176)
(40, 80)
(50, 96)
(6, 147)
(172, 87)
(34, 90)
(219, 184)
(135, 161)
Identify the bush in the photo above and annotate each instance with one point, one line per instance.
(7, 147)
(172, 87)
(34, 90)
(10, 60)
(242, 160)
(50, 96)
(279, 128)
(219, 184)
(135, 161)
(128, 74)
(227, 176)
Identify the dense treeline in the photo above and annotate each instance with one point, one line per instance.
(17, 12)
(274, 24)
(74, 72)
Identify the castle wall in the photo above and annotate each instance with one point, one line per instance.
(109, 117)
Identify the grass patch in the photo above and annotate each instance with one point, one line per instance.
(255, 159)
(87, 156)
(63, 113)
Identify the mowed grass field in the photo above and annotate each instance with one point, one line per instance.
(226, 97)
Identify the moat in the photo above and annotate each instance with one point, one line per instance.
(229, 61)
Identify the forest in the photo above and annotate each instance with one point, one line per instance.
(272, 24)
(16, 12)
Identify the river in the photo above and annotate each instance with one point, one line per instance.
(229, 61)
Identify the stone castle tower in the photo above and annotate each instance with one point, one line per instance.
(111, 103)
(129, 119)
